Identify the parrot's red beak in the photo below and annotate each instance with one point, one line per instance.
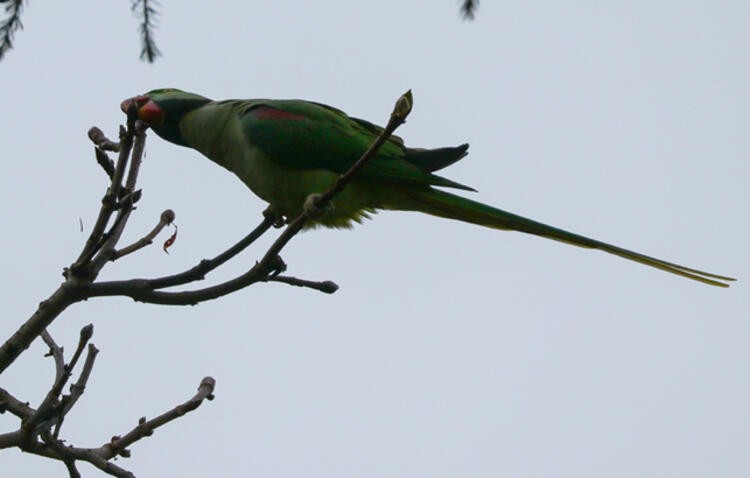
(148, 111)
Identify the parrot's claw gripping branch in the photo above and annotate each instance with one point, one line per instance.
(278, 219)
(316, 209)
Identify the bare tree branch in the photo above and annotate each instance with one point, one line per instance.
(48, 310)
(35, 426)
(58, 451)
(328, 287)
(49, 407)
(107, 248)
(107, 164)
(97, 136)
(13, 405)
(80, 273)
(118, 446)
(67, 402)
(57, 354)
(145, 428)
(199, 271)
(59, 448)
(11, 440)
(166, 218)
(109, 201)
(141, 290)
(77, 389)
(85, 335)
(72, 470)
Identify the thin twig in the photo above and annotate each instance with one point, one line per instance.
(127, 136)
(199, 271)
(15, 406)
(140, 290)
(137, 156)
(107, 164)
(81, 273)
(135, 287)
(107, 248)
(166, 218)
(146, 428)
(57, 354)
(95, 239)
(61, 370)
(77, 388)
(83, 338)
(101, 141)
(82, 454)
(52, 447)
(49, 406)
(328, 287)
(68, 293)
(59, 448)
(72, 470)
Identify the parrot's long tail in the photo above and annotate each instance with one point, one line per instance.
(443, 204)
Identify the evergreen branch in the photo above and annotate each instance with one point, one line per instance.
(146, 13)
(469, 8)
(10, 25)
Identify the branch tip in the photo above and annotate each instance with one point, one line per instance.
(168, 216)
(403, 106)
(86, 332)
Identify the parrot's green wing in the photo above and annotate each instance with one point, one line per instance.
(303, 135)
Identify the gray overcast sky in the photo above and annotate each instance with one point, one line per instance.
(450, 350)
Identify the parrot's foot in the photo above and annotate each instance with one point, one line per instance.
(276, 267)
(278, 218)
(314, 210)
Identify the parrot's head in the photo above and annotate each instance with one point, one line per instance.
(163, 109)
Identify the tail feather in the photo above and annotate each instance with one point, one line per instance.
(440, 203)
(431, 160)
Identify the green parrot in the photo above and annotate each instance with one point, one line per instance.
(286, 150)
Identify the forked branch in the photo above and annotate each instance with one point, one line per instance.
(39, 428)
